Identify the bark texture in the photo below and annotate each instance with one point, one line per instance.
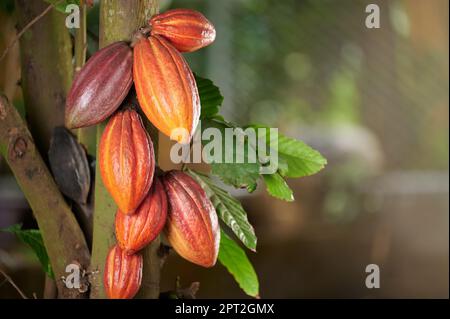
(61, 233)
(46, 60)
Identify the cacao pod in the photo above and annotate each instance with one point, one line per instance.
(134, 232)
(123, 274)
(166, 88)
(100, 86)
(127, 160)
(192, 227)
(187, 30)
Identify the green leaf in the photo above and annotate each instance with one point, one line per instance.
(33, 238)
(277, 187)
(296, 159)
(302, 160)
(61, 5)
(210, 97)
(237, 263)
(239, 175)
(229, 210)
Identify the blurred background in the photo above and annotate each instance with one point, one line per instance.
(375, 102)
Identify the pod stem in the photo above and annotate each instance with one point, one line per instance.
(141, 33)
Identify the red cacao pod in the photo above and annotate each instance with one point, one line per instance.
(188, 30)
(127, 160)
(134, 232)
(123, 274)
(192, 227)
(166, 87)
(100, 86)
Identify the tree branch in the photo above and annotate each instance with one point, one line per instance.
(61, 233)
(29, 25)
(9, 279)
(81, 39)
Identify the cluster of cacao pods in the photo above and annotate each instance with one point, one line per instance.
(167, 94)
(165, 86)
(177, 202)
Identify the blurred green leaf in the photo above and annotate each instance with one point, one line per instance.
(19, 104)
(93, 22)
(61, 5)
(210, 97)
(33, 238)
(235, 260)
(7, 6)
(277, 187)
(229, 210)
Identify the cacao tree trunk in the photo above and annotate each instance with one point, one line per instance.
(46, 60)
(118, 21)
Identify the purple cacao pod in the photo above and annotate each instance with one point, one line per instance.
(100, 86)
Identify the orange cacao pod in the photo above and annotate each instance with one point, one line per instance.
(134, 232)
(166, 88)
(188, 30)
(192, 227)
(123, 274)
(127, 160)
(100, 86)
